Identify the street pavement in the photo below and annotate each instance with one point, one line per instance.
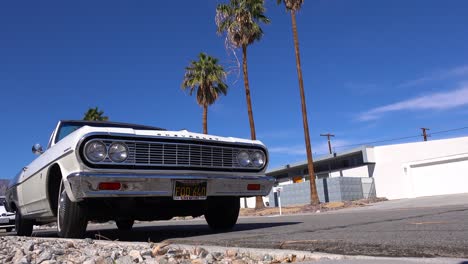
(421, 227)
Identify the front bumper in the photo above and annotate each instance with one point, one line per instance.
(85, 185)
(7, 222)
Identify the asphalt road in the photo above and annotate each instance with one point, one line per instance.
(424, 227)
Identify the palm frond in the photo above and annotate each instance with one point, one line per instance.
(239, 21)
(205, 77)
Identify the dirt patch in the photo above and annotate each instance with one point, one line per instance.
(307, 208)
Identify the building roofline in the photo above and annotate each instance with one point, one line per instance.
(286, 167)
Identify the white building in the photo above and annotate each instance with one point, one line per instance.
(406, 170)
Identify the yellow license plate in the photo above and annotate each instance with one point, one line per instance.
(190, 190)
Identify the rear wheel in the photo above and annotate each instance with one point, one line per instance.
(125, 225)
(71, 216)
(222, 212)
(24, 227)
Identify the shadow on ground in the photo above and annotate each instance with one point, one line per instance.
(160, 233)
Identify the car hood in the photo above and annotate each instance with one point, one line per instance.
(180, 134)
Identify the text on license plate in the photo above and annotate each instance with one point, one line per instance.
(190, 190)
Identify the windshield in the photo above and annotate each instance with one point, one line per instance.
(65, 130)
(68, 127)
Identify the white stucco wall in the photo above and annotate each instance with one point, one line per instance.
(392, 182)
(358, 172)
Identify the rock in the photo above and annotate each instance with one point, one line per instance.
(91, 252)
(201, 252)
(45, 255)
(217, 255)
(18, 256)
(58, 252)
(80, 259)
(102, 260)
(28, 246)
(291, 258)
(23, 260)
(231, 253)
(163, 260)
(124, 260)
(89, 261)
(104, 254)
(174, 252)
(172, 261)
(52, 261)
(209, 258)
(199, 261)
(146, 252)
(159, 249)
(70, 245)
(239, 261)
(267, 257)
(37, 251)
(114, 255)
(135, 255)
(89, 240)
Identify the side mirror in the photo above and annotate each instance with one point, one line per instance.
(37, 149)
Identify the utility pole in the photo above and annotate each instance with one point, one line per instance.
(424, 134)
(328, 135)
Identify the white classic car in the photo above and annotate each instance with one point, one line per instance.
(103, 171)
(7, 220)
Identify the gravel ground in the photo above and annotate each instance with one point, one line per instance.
(48, 251)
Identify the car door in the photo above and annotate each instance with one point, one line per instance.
(32, 190)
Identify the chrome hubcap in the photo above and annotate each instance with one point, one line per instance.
(60, 207)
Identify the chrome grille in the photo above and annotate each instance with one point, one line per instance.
(187, 155)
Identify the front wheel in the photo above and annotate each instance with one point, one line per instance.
(24, 227)
(71, 216)
(125, 225)
(222, 212)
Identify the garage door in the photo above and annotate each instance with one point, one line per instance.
(448, 176)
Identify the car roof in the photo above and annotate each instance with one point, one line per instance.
(109, 124)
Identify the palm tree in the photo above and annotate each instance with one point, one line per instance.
(207, 77)
(239, 20)
(293, 6)
(93, 114)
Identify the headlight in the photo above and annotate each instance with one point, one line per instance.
(258, 159)
(243, 158)
(95, 151)
(118, 152)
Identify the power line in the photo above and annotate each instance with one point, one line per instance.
(449, 130)
(400, 138)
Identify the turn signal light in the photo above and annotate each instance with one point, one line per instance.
(253, 187)
(109, 186)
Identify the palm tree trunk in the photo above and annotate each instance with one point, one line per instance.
(247, 93)
(258, 199)
(205, 119)
(313, 188)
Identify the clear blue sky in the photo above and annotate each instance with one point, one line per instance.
(372, 70)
